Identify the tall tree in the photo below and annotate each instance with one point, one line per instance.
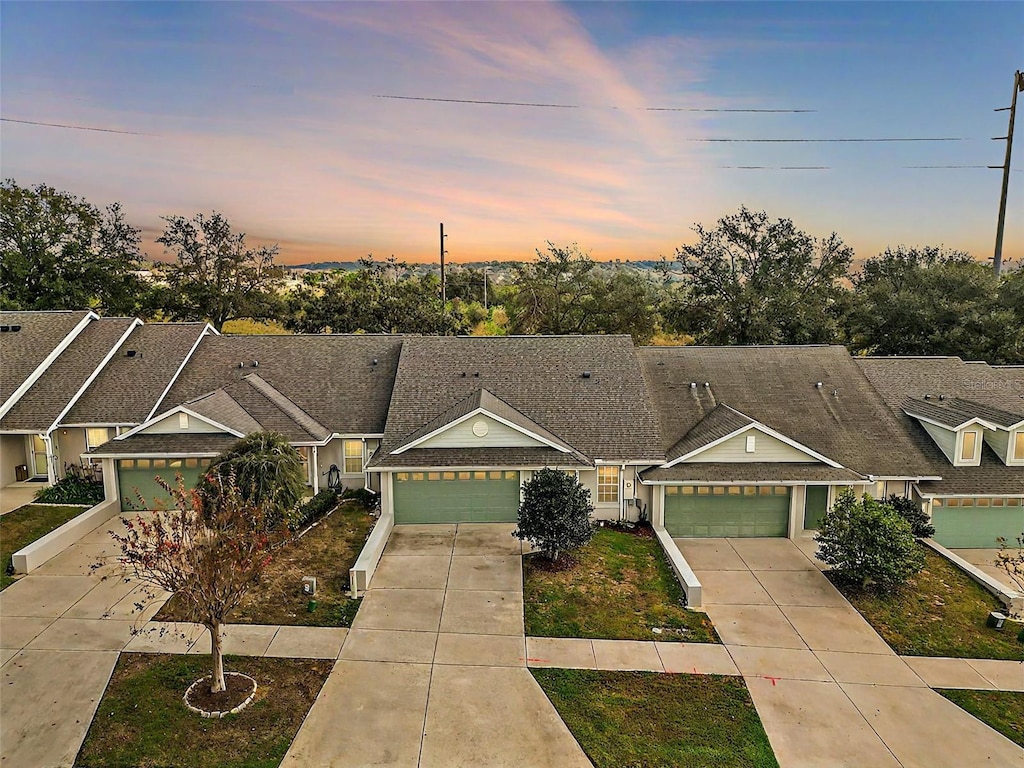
(752, 280)
(565, 291)
(62, 252)
(209, 559)
(927, 301)
(216, 275)
(379, 297)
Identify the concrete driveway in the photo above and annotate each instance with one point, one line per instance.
(829, 690)
(433, 672)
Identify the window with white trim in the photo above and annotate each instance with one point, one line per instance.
(96, 437)
(1018, 446)
(353, 457)
(607, 485)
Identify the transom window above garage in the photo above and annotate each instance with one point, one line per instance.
(978, 502)
(491, 474)
(726, 490)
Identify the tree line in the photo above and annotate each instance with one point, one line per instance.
(749, 279)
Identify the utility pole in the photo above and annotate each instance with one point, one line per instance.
(1018, 85)
(444, 289)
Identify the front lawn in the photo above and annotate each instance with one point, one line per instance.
(620, 587)
(1001, 710)
(327, 552)
(939, 612)
(654, 720)
(142, 720)
(26, 524)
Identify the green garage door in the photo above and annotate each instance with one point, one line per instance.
(978, 527)
(137, 477)
(727, 510)
(456, 497)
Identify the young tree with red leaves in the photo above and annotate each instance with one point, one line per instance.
(211, 560)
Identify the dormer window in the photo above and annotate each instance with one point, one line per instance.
(1018, 446)
(969, 446)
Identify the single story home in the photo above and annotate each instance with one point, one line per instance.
(702, 441)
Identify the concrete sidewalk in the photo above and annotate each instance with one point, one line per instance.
(829, 690)
(433, 672)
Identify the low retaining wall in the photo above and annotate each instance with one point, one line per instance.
(687, 578)
(1010, 598)
(29, 558)
(361, 573)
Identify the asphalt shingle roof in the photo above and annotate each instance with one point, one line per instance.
(38, 408)
(606, 415)
(195, 444)
(750, 472)
(721, 421)
(129, 387)
(22, 351)
(776, 386)
(1002, 388)
(332, 378)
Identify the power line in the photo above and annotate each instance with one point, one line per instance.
(777, 167)
(830, 141)
(576, 106)
(72, 127)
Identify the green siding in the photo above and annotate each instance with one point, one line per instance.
(456, 500)
(815, 506)
(133, 482)
(977, 527)
(727, 515)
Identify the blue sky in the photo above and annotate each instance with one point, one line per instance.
(270, 113)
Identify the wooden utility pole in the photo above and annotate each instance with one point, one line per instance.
(997, 258)
(444, 289)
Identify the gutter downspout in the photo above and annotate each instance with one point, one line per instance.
(316, 471)
(51, 459)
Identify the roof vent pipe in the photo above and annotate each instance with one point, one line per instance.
(374, 361)
(241, 365)
(707, 385)
(586, 374)
(927, 397)
(942, 397)
(819, 385)
(255, 363)
(693, 385)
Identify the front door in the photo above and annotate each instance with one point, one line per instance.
(38, 466)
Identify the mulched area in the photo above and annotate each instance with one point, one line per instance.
(237, 690)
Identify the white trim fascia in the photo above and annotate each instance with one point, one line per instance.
(33, 377)
(357, 435)
(92, 377)
(21, 432)
(97, 424)
(467, 417)
(764, 430)
(981, 495)
(906, 478)
(970, 422)
(179, 409)
(202, 334)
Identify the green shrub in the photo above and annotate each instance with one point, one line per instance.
(555, 513)
(265, 468)
(71, 490)
(368, 500)
(869, 543)
(920, 523)
(315, 508)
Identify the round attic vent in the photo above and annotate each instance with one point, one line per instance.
(480, 428)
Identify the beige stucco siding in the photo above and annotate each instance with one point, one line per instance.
(70, 445)
(13, 452)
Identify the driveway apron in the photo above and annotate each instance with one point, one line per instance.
(433, 672)
(829, 690)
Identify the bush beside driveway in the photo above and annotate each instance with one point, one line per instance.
(939, 612)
